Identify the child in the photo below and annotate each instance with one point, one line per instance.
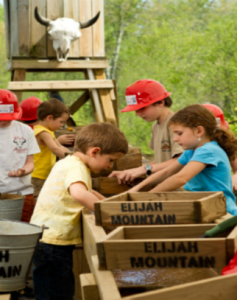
(29, 116)
(51, 115)
(66, 191)
(204, 165)
(151, 102)
(17, 147)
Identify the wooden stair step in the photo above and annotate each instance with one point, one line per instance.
(54, 65)
(73, 85)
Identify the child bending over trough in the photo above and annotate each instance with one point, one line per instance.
(204, 165)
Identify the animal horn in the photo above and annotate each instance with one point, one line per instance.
(42, 20)
(90, 22)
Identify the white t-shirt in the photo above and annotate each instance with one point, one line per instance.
(16, 142)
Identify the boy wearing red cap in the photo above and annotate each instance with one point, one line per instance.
(150, 100)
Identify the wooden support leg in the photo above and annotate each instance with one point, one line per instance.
(19, 75)
(106, 100)
(89, 287)
(115, 102)
(80, 266)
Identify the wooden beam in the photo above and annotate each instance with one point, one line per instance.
(89, 289)
(73, 85)
(5, 297)
(46, 64)
(106, 99)
(79, 102)
(223, 287)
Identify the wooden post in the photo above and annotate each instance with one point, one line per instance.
(19, 75)
(89, 287)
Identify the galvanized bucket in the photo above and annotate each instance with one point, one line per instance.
(11, 206)
(17, 245)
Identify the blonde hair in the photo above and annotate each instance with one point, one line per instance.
(197, 115)
(103, 135)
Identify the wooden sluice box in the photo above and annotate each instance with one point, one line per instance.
(167, 246)
(153, 284)
(160, 208)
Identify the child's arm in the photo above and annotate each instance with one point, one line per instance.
(158, 176)
(98, 195)
(62, 147)
(80, 193)
(176, 181)
(53, 146)
(25, 170)
(129, 175)
(234, 176)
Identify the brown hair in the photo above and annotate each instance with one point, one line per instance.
(103, 135)
(198, 115)
(52, 107)
(168, 102)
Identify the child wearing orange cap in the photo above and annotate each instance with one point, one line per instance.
(151, 102)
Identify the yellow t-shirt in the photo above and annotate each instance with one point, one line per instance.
(45, 160)
(55, 207)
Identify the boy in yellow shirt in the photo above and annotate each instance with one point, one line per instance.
(51, 115)
(66, 191)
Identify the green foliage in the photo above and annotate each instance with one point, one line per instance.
(189, 46)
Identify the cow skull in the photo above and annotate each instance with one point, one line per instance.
(63, 31)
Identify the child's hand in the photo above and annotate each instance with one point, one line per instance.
(234, 182)
(127, 176)
(18, 173)
(66, 139)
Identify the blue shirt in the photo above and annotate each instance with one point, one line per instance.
(215, 177)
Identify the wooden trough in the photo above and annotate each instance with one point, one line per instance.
(166, 246)
(160, 208)
(191, 284)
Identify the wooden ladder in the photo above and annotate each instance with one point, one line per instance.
(96, 87)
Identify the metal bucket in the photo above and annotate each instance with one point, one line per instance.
(18, 241)
(11, 206)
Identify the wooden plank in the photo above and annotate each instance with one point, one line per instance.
(54, 10)
(164, 253)
(164, 196)
(92, 234)
(71, 10)
(80, 266)
(54, 64)
(14, 28)
(7, 27)
(129, 161)
(79, 102)
(24, 27)
(212, 207)
(165, 231)
(108, 289)
(144, 213)
(98, 29)
(219, 288)
(223, 218)
(19, 75)
(115, 102)
(5, 297)
(231, 244)
(38, 39)
(106, 100)
(110, 186)
(73, 85)
(89, 287)
(86, 33)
